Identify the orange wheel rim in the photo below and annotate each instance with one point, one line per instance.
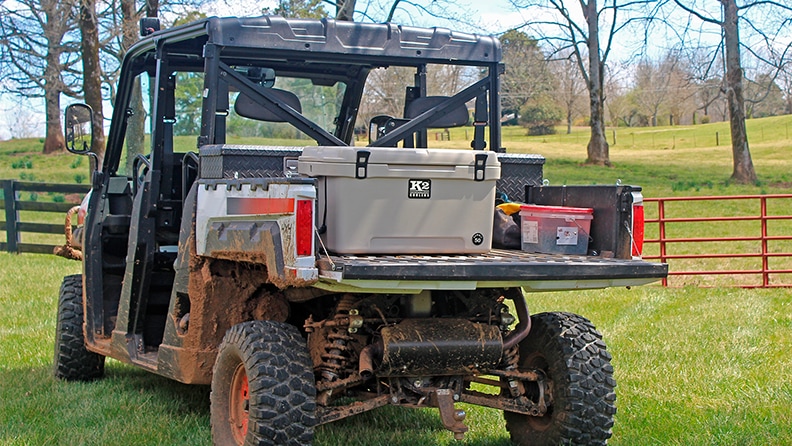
(239, 406)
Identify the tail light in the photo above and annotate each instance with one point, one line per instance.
(637, 225)
(304, 229)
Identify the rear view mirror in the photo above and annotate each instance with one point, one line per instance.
(78, 132)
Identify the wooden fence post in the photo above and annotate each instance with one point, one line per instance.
(11, 216)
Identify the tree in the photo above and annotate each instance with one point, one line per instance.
(786, 86)
(527, 76)
(662, 88)
(41, 56)
(571, 87)
(303, 9)
(763, 97)
(732, 14)
(649, 93)
(92, 79)
(579, 31)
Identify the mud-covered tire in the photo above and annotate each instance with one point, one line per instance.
(263, 387)
(570, 351)
(73, 362)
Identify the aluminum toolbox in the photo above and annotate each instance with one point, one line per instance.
(403, 201)
(220, 161)
(517, 171)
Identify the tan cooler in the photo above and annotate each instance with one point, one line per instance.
(403, 201)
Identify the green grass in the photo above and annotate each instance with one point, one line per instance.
(693, 366)
(665, 161)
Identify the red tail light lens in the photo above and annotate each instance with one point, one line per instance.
(638, 230)
(304, 230)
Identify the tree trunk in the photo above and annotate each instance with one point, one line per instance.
(136, 132)
(92, 79)
(743, 166)
(54, 142)
(598, 145)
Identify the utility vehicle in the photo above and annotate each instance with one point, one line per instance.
(266, 221)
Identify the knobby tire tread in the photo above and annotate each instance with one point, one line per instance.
(281, 383)
(73, 362)
(583, 384)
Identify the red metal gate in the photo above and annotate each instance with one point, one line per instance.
(764, 254)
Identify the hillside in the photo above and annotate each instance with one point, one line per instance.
(678, 160)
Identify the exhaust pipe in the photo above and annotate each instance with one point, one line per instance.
(366, 362)
(524, 325)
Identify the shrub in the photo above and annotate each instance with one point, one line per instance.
(76, 163)
(24, 163)
(541, 118)
(58, 198)
(79, 178)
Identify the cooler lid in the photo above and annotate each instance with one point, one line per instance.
(395, 155)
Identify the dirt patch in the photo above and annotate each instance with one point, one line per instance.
(74, 198)
(224, 293)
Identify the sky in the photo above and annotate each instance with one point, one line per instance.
(25, 118)
(488, 17)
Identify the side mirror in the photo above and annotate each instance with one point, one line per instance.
(79, 133)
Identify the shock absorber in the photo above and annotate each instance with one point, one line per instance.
(336, 351)
(509, 362)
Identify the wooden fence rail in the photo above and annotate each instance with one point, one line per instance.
(13, 203)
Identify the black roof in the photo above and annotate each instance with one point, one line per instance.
(361, 43)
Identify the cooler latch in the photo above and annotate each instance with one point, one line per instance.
(479, 167)
(361, 164)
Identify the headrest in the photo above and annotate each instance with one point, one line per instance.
(247, 107)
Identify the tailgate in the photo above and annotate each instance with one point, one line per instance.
(495, 269)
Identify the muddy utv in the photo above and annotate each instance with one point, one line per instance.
(264, 221)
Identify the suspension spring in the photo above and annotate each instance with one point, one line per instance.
(336, 353)
(511, 358)
(510, 361)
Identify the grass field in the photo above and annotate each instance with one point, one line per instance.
(694, 366)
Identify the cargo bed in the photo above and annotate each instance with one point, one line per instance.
(497, 268)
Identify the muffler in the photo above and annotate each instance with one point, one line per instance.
(435, 347)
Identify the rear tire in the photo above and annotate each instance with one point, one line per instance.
(263, 387)
(73, 362)
(570, 351)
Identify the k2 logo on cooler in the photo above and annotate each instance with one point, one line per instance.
(419, 189)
